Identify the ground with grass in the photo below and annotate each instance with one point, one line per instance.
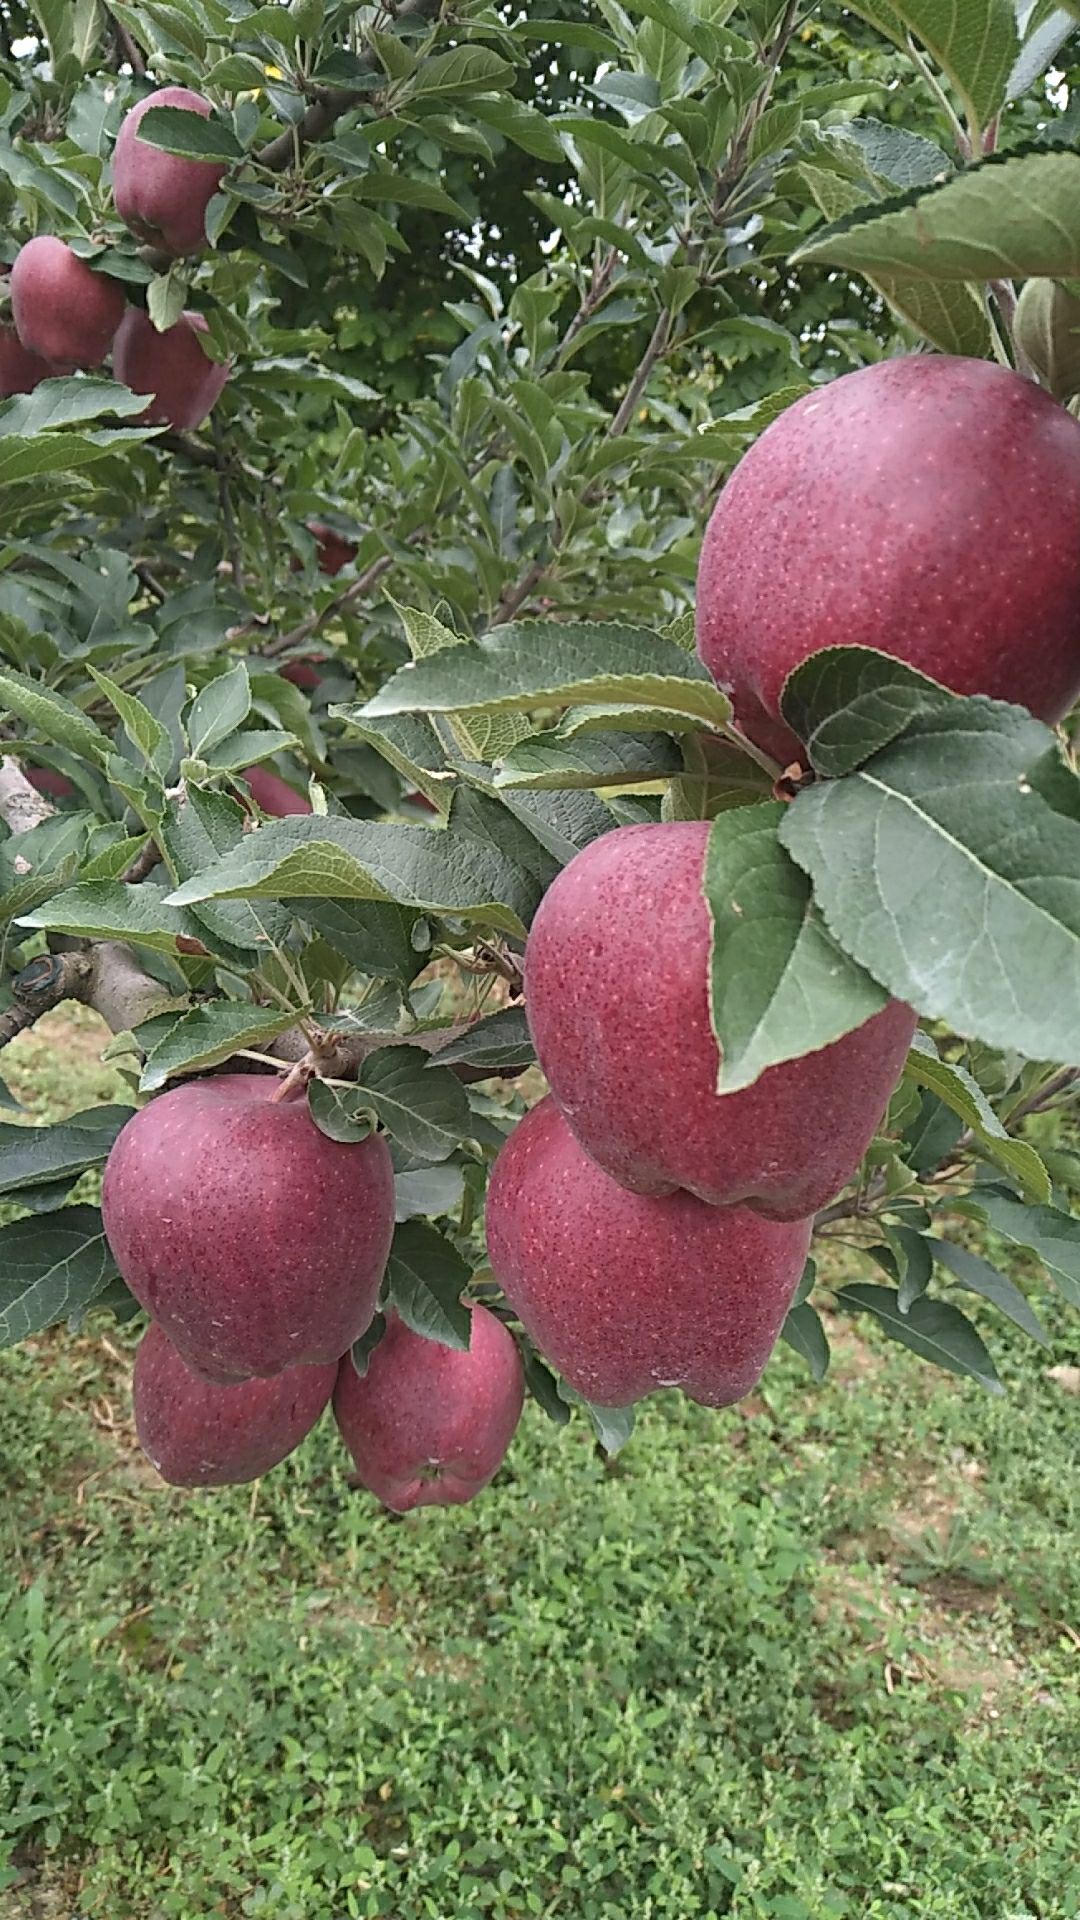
(814, 1659)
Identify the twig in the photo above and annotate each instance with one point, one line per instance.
(144, 862)
(285, 149)
(126, 46)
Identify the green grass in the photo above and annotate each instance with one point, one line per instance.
(811, 1660)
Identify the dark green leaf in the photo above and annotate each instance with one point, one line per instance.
(50, 1269)
(32, 1155)
(803, 1330)
(426, 1276)
(978, 1276)
(423, 1107)
(931, 1328)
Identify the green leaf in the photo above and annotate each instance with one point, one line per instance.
(973, 41)
(178, 130)
(423, 1107)
(1012, 216)
(502, 1040)
(465, 69)
(612, 1425)
(430, 1192)
(931, 1328)
(803, 1330)
(194, 833)
(30, 1156)
(779, 986)
(426, 1276)
(978, 1276)
(361, 1350)
(963, 1094)
(539, 663)
(209, 1034)
(847, 703)
(221, 707)
(453, 871)
(109, 910)
(550, 760)
(374, 936)
(149, 738)
(54, 717)
(49, 1269)
(409, 744)
(339, 1113)
(1053, 1236)
(976, 796)
(912, 1261)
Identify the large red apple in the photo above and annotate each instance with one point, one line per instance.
(928, 507)
(200, 1435)
(616, 986)
(172, 366)
(256, 1242)
(625, 1294)
(20, 371)
(63, 310)
(428, 1425)
(162, 196)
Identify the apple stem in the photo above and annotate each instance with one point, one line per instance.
(295, 1081)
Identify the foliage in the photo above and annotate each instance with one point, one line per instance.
(612, 244)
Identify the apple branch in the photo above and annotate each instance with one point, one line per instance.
(330, 103)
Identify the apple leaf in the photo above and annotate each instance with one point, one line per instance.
(361, 1350)
(377, 937)
(426, 1277)
(109, 910)
(973, 41)
(1012, 216)
(550, 759)
(978, 1276)
(949, 867)
(30, 1156)
(178, 130)
(1052, 1235)
(409, 743)
(428, 1193)
(147, 735)
(454, 871)
(803, 1331)
(423, 1107)
(50, 1269)
(195, 833)
(963, 1094)
(339, 1112)
(216, 712)
(502, 1040)
(207, 1035)
(535, 663)
(933, 1329)
(53, 716)
(779, 986)
(847, 703)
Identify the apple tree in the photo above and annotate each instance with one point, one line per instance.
(538, 548)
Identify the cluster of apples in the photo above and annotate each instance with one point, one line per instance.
(67, 316)
(648, 1231)
(258, 1246)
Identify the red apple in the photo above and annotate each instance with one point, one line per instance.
(20, 371)
(625, 1294)
(162, 197)
(928, 507)
(304, 672)
(62, 309)
(428, 1426)
(172, 366)
(333, 551)
(273, 794)
(47, 780)
(200, 1435)
(256, 1243)
(616, 984)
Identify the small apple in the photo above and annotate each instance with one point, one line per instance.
(428, 1425)
(162, 197)
(63, 311)
(20, 371)
(172, 366)
(272, 794)
(255, 1241)
(617, 996)
(624, 1294)
(200, 1435)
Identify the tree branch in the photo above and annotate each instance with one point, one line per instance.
(331, 103)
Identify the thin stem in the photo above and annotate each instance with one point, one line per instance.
(959, 131)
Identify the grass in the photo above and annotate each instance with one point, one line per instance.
(811, 1660)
